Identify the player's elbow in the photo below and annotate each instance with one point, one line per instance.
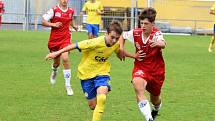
(44, 22)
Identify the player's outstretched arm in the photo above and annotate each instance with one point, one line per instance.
(139, 55)
(121, 53)
(159, 43)
(57, 53)
(49, 24)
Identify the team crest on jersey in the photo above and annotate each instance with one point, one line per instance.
(136, 34)
(57, 14)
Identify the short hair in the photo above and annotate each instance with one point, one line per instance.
(149, 13)
(115, 26)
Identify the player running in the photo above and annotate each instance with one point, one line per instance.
(149, 71)
(94, 10)
(94, 68)
(59, 19)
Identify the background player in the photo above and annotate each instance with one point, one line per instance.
(1, 11)
(210, 48)
(93, 9)
(59, 19)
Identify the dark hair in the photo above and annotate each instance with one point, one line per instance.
(149, 13)
(115, 26)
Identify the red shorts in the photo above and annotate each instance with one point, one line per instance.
(55, 45)
(154, 81)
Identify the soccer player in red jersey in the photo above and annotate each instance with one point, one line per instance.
(59, 19)
(148, 72)
(1, 10)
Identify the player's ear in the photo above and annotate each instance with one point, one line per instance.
(153, 23)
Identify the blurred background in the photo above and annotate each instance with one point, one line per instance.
(174, 16)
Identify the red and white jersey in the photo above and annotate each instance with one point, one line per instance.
(1, 7)
(153, 63)
(62, 34)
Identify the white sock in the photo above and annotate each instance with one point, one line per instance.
(145, 109)
(157, 107)
(67, 76)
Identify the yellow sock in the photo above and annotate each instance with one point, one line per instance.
(212, 40)
(210, 48)
(97, 114)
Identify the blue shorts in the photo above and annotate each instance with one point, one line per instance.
(214, 28)
(93, 28)
(90, 86)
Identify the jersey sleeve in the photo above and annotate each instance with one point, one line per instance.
(72, 12)
(128, 35)
(87, 44)
(48, 15)
(158, 36)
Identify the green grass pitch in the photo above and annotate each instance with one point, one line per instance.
(26, 94)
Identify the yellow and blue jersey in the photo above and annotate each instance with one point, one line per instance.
(213, 9)
(94, 61)
(91, 9)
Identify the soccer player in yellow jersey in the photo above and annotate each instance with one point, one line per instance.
(94, 10)
(94, 68)
(210, 48)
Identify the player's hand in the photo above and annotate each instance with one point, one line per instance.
(156, 44)
(51, 56)
(140, 55)
(57, 24)
(121, 54)
(99, 12)
(75, 28)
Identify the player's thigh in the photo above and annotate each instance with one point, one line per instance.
(102, 84)
(102, 90)
(88, 88)
(95, 30)
(89, 28)
(65, 56)
(139, 84)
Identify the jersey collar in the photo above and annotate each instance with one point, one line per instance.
(62, 9)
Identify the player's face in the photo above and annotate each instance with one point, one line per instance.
(113, 37)
(64, 2)
(146, 26)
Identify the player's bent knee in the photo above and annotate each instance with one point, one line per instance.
(92, 107)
